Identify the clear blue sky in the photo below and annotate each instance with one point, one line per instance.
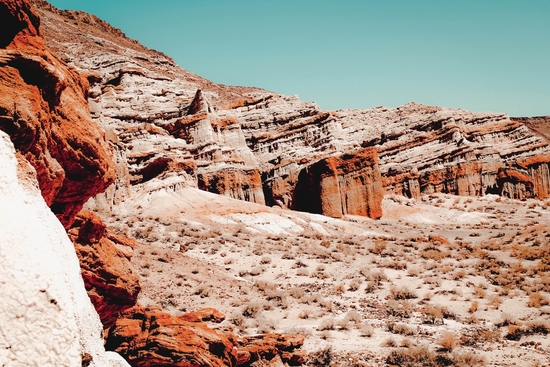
(480, 55)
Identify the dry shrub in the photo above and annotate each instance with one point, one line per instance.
(379, 247)
(366, 330)
(401, 309)
(515, 332)
(343, 324)
(266, 325)
(296, 292)
(448, 340)
(354, 285)
(257, 270)
(236, 319)
(479, 292)
(304, 314)
(264, 285)
(495, 301)
(353, 316)
(326, 324)
(473, 308)
(389, 343)
(467, 359)
(537, 327)
(402, 293)
(322, 357)
(433, 253)
(409, 357)
(401, 329)
(422, 356)
(537, 300)
(459, 274)
(251, 309)
(431, 314)
(479, 336)
(406, 343)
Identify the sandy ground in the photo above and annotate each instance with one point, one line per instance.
(463, 277)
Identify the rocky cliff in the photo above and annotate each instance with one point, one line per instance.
(47, 316)
(44, 109)
(252, 144)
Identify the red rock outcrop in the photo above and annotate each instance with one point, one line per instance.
(43, 107)
(150, 337)
(236, 183)
(105, 266)
(340, 185)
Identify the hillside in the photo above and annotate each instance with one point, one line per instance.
(414, 235)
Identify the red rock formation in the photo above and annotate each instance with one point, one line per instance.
(43, 107)
(339, 185)
(515, 184)
(150, 337)
(237, 183)
(537, 169)
(105, 265)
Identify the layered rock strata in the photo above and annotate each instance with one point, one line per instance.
(340, 185)
(44, 109)
(158, 110)
(150, 337)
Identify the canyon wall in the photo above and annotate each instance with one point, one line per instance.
(157, 111)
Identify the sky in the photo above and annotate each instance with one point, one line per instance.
(479, 55)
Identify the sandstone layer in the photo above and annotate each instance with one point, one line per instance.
(44, 109)
(340, 185)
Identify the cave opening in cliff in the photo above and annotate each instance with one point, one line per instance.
(307, 194)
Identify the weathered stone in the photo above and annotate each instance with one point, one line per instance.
(235, 183)
(340, 185)
(104, 257)
(150, 337)
(43, 107)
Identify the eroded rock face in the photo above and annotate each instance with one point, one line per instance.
(238, 184)
(43, 107)
(340, 185)
(104, 258)
(150, 337)
(47, 317)
(160, 112)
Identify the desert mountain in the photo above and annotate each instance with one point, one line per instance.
(404, 235)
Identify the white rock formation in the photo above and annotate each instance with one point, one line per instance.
(46, 317)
